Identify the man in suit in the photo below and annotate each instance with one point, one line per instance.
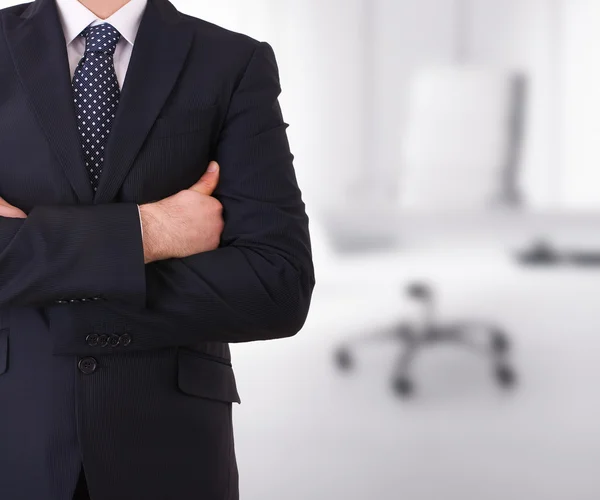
(127, 264)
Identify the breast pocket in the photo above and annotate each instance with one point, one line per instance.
(185, 121)
(175, 154)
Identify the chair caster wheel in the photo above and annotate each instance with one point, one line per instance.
(404, 387)
(500, 343)
(506, 376)
(343, 359)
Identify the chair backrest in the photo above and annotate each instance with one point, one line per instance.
(463, 139)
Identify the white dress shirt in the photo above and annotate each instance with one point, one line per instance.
(75, 17)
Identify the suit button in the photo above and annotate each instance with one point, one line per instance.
(73, 301)
(97, 298)
(92, 339)
(114, 340)
(85, 299)
(87, 365)
(125, 339)
(61, 301)
(103, 340)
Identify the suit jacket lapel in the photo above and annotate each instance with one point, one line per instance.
(38, 48)
(160, 50)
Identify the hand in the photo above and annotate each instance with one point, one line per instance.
(7, 210)
(187, 223)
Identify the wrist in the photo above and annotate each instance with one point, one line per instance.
(150, 233)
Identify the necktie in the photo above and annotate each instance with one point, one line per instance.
(96, 95)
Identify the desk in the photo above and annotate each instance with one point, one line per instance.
(386, 227)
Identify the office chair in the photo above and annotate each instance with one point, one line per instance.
(487, 339)
(460, 156)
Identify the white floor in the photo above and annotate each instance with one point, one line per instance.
(306, 432)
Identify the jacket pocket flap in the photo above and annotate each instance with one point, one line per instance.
(3, 350)
(206, 377)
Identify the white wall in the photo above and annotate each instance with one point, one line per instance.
(407, 35)
(508, 33)
(520, 34)
(581, 182)
(555, 42)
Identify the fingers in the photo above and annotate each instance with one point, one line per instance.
(11, 212)
(209, 181)
(8, 210)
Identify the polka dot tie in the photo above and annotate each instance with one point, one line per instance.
(96, 95)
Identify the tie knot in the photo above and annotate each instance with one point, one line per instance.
(101, 38)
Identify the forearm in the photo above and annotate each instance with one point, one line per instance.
(258, 284)
(260, 296)
(61, 253)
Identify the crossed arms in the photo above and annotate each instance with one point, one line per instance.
(231, 265)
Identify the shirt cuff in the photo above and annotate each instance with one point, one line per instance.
(142, 229)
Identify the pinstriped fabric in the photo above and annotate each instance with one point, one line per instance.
(266, 290)
(88, 264)
(150, 418)
(39, 454)
(139, 438)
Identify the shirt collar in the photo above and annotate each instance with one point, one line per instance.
(75, 17)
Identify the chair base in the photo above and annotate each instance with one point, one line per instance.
(486, 339)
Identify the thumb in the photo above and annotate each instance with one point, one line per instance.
(208, 182)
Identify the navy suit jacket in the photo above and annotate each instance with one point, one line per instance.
(104, 361)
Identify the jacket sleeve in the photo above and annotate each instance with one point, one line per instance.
(72, 252)
(258, 284)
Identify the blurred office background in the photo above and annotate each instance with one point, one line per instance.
(449, 143)
(435, 142)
